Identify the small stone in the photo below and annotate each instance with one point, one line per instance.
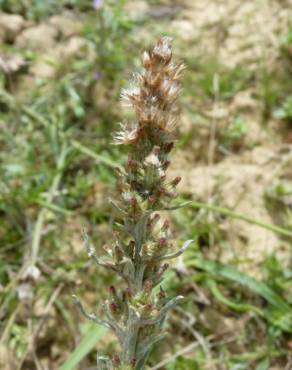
(136, 9)
(24, 292)
(10, 26)
(7, 360)
(67, 24)
(45, 67)
(38, 38)
(75, 46)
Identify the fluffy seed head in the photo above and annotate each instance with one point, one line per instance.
(152, 95)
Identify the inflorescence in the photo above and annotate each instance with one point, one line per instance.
(142, 242)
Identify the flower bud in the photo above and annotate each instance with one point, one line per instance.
(148, 307)
(148, 285)
(147, 310)
(134, 204)
(118, 253)
(132, 164)
(166, 165)
(156, 218)
(161, 294)
(127, 294)
(156, 149)
(119, 186)
(168, 147)
(165, 267)
(112, 290)
(116, 361)
(152, 199)
(162, 50)
(114, 308)
(153, 221)
(146, 59)
(131, 247)
(175, 181)
(118, 173)
(133, 362)
(165, 226)
(162, 242)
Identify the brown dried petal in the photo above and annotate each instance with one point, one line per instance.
(128, 135)
(162, 50)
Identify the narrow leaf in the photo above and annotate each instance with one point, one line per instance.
(230, 273)
(93, 334)
(239, 307)
(264, 365)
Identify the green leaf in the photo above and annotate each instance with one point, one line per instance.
(282, 320)
(182, 363)
(263, 365)
(282, 316)
(279, 113)
(230, 273)
(93, 334)
(239, 307)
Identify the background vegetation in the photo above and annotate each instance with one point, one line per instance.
(63, 64)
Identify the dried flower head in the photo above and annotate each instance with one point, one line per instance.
(153, 92)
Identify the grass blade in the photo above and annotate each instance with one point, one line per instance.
(239, 307)
(228, 212)
(98, 157)
(216, 268)
(279, 313)
(93, 335)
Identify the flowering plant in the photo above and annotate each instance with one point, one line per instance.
(142, 243)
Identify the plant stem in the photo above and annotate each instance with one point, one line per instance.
(43, 212)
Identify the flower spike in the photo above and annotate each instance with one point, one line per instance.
(138, 251)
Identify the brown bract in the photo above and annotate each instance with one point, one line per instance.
(152, 96)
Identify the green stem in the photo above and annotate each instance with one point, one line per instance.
(43, 212)
(98, 157)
